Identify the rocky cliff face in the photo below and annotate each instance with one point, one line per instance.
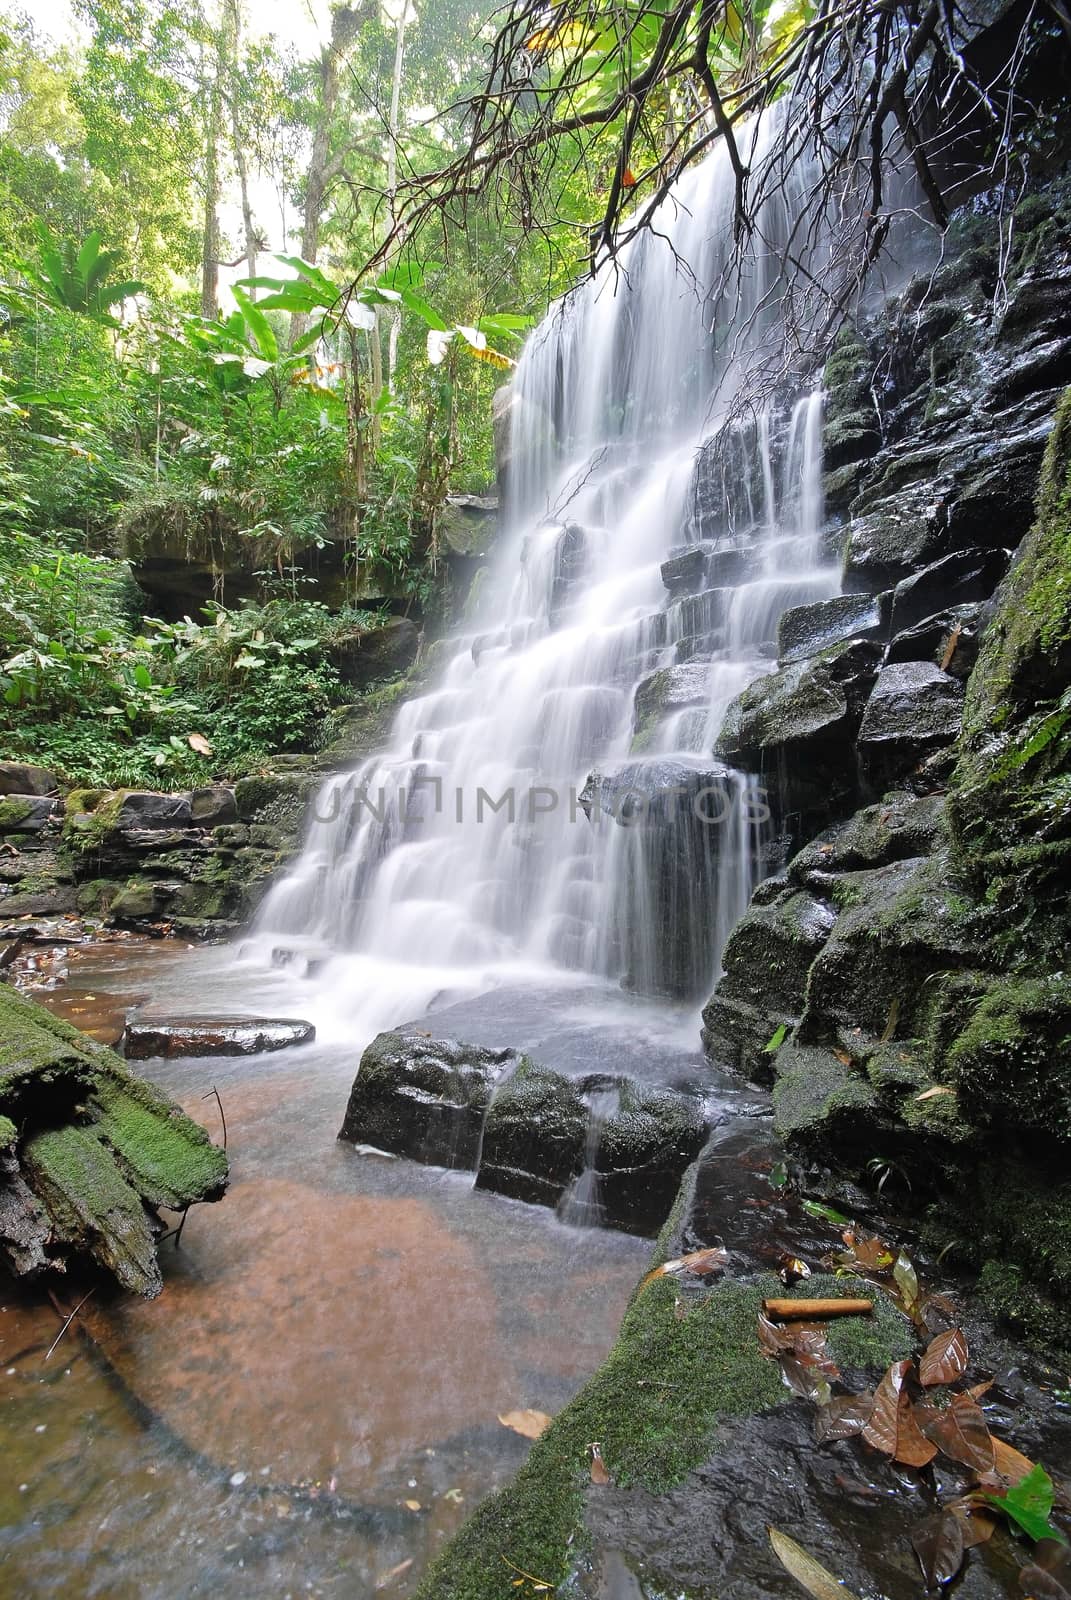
(901, 982)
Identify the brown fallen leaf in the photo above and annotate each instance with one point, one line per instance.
(1048, 1576)
(944, 1359)
(932, 1094)
(844, 1417)
(818, 1581)
(702, 1263)
(387, 1578)
(808, 1381)
(979, 1523)
(869, 1251)
(883, 1424)
(198, 742)
(599, 1473)
(950, 647)
(843, 1057)
(890, 1025)
(1010, 1463)
(913, 1449)
(938, 1543)
(411, 1505)
(529, 1423)
(960, 1431)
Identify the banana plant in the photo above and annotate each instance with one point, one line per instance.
(77, 278)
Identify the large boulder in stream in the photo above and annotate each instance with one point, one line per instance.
(602, 1148)
(88, 1152)
(424, 1098)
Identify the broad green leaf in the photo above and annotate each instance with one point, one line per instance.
(258, 325)
(1029, 1505)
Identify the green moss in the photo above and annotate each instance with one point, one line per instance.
(654, 1407)
(13, 810)
(91, 1205)
(8, 1133)
(817, 1095)
(1018, 1304)
(98, 1143)
(1012, 1060)
(171, 1160)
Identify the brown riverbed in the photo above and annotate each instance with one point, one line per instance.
(311, 1407)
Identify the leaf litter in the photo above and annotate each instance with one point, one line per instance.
(922, 1409)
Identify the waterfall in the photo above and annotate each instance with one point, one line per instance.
(541, 809)
(581, 1205)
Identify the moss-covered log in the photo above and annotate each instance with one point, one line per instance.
(87, 1153)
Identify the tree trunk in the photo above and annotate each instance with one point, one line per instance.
(345, 24)
(392, 176)
(238, 139)
(210, 231)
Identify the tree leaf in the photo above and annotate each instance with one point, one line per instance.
(844, 1417)
(938, 1543)
(776, 1040)
(806, 1380)
(1029, 1504)
(883, 1426)
(198, 742)
(913, 1449)
(818, 1581)
(703, 1263)
(907, 1280)
(961, 1431)
(1009, 1462)
(531, 1424)
(599, 1473)
(944, 1359)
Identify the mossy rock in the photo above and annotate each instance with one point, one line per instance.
(533, 1141)
(655, 1407)
(1012, 1062)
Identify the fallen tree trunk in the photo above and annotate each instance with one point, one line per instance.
(88, 1152)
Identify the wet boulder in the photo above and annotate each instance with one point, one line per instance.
(469, 523)
(913, 710)
(425, 1098)
(669, 690)
(26, 813)
(821, 1098)
(642, 1152)
(796, 728)
(702, 615)
(963, 578)
(19, 777)
(212, 1036)
(764, 979)
(949, 639)
(678, 821)
(805, 630)
(685, 571)
(534, 1136)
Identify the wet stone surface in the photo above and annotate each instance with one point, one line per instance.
(212, 1036)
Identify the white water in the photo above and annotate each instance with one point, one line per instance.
(424, 891)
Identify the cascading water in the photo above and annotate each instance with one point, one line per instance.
(471, 853)
(581, 1205)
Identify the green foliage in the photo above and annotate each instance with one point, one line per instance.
(1028, 1504)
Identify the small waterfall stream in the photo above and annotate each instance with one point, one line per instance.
(534, 814)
